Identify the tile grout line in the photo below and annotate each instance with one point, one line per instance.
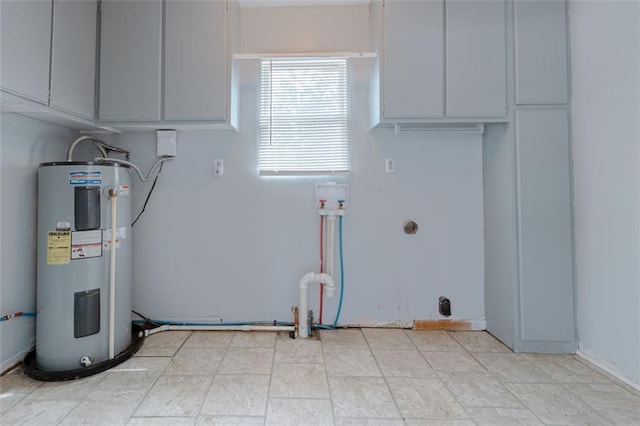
(158, 378)
(464, 408)
(226, 348)
(268, 401)
(393, 397)
(326, 377)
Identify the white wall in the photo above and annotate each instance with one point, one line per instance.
(24, 143)
(234, 248)
(605, 55)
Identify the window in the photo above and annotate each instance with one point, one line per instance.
(304, 113)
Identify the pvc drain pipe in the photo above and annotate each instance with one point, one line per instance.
(303, 306)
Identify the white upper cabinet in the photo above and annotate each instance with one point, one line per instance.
(541, 52)
(438, 61)
(165, 63)
(25, 48)
(413, 59)
(476, 58)
(73, 57)
(130, 60)
(195, 80)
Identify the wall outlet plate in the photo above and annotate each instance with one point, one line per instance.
(218, 167)
(389, 165)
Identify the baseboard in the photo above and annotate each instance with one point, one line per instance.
(604, 365)
(450, 324)
(10, 363)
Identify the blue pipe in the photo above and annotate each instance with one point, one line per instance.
(335, 323)
(16, 315)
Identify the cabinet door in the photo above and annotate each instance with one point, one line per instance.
(25, 47)
(544, 222)
(73, 56)
(413, 59)
(130, 60)
(476, 58)
(541, 52)
(195, 83)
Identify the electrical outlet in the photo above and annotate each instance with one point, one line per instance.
(389, 165)
(218, 167)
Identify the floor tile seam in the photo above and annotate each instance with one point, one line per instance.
(452, 335)
(611, 378)
(295, 398)
(326, 380)
(11, 407)
(531, 364)
(266, 405)
(298, 363)
(525, 405)
(386, 383)
(590, 406)
(77, 402)
(206, 392)
(496, 375)
(427, 361)
(456, 399)
(146, 394)
(171, 347)
(604, 375)
(481, 364)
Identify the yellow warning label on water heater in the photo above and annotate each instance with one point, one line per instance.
(59, 248)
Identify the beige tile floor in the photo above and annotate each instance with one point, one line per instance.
(348, 377)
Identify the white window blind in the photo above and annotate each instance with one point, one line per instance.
(304, 116)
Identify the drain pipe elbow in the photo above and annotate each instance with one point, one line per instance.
(310, 277)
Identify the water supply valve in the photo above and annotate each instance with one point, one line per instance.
(332, 199)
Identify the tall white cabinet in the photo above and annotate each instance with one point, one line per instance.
(529, 275)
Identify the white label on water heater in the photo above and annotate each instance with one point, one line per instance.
(120, 234)
(85, 177)
(86, 244)
(107, 245)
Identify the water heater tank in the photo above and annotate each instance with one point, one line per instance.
(74, 263)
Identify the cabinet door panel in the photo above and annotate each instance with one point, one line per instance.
(195, 60)
(414, 59)
(476, 58)
(25, 48)
(73, 57)
(541, 52)
(544, 220)
(130, 60)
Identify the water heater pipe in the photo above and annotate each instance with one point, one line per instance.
(112, 274)
(168, 327)
(303, 304)
(133, 166)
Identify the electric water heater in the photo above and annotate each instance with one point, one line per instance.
(84, 261)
